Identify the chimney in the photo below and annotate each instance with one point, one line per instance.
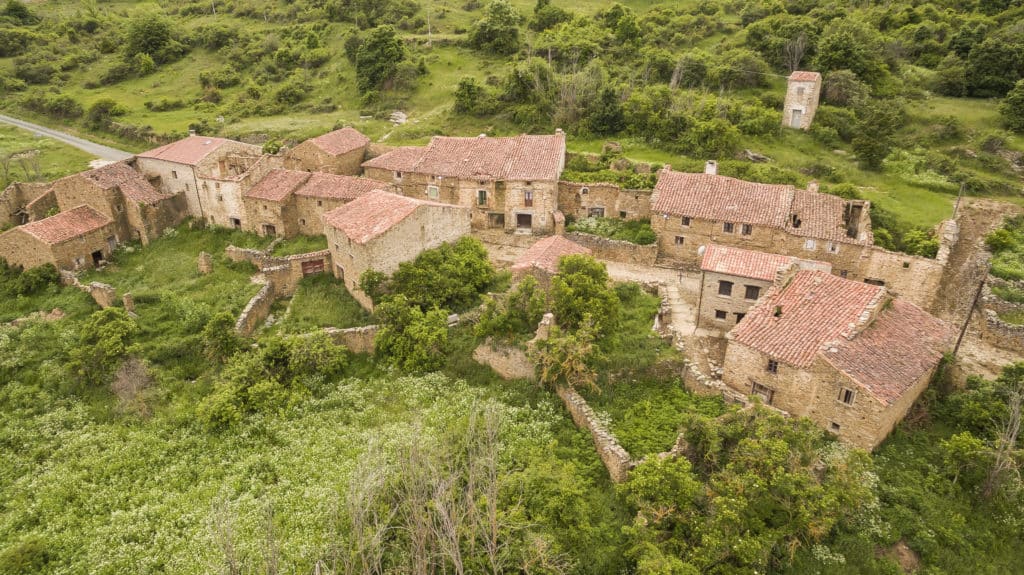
(667, 167)
(191, 132)
(711, 168)
(559, 131)
(812, 186)
(482, 136)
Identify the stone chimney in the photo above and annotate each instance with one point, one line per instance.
(812, 186)
(191, 132)
(711, 168)
(559, 131)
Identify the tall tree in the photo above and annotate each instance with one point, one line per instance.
(377, 59)
(498, 30)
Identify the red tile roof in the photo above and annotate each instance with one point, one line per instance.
(743, 263)
(894, 352)
(189, 151)
(801, 76)
(373, 214)
(546, 253)
(277, 185)
(341, 141)
(66, 225)
(132, 184)
(519, 158)
(330, 186)
(822, 217)
(816, 308)
(402, 159)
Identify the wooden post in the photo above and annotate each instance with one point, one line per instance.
(970, 313)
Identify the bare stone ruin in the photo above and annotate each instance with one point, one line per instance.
(205, 263)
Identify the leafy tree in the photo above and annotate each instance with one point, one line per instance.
(220, 340)
(451, 276)
(1011, 109)
(469, 96)
(409, 338)
(851, 45)
(518, 313)
(498, 31)
(102, 112)
(580, 289)
(147, 34)
(776, 38)
(842, 88)
(377, 58)
(951, 76)
(741, 69)
(994, 66)
(102, 343)
(546, 15)
(18, 11)
(567, 358)
(876, 123)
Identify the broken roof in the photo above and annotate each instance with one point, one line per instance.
(340, 141)
(66, 225)
(132, 184)
(189, 151)
(277, 185)
(803, 76)
(521, 158)
(373, 214)
(333, 187)
(546, 253)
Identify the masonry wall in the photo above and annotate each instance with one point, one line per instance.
(309, 157)
(21, 249)
(510, 362)
(280, 215)
(616, 250)
(309, 214)
(173, 178)
(40, 207)
(576, 199)
(801, 96)
(256, 311)
(616, 459)
(16, 197)
(737, 303)
(701, 232)
(356, 339)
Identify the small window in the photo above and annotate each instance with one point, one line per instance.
(763, 391)
(752, 292)
(740, 316)
(795, 221)
(529, 183)
(906, 265)
(432, 191)
(686, 221)
(747, 229)
(216, 186)
(398, 175)
(874, 282)
(800, 92)
(721, 314)
(220, 197)
(174, 174)
(846, 396)
(481, 197)
(843, 273)
(833, 248)
(432, 178)
(773, 366)
(584, 190)
(724, 288)
(302, 221)
(834, 426)
(528, 198)
(777, 312)
(119, 208)
(680, 240)
(319, 203)
(264, 207)
(810, 245)
(727, 227)
(623, 215)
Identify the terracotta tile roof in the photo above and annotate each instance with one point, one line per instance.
(815, 308)
(722, 198)
(546, 253)
(189, 151)
(893, 352)
(743, 263)
(277, 185)
(801, 76)
(373, 214)
(402, 159)
(66, 225)
(821, 217)
(330, 186)
(523, 158)
(341, 141)
(132, 184)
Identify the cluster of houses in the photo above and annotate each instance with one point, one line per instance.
(819, 321)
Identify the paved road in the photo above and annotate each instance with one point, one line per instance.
(100, 151)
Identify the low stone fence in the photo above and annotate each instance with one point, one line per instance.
(615, 458)
(356, 339)
(616, 250)
(507, 361)
(256, 311)
(104, 295)
(993, 329)
(286, 271)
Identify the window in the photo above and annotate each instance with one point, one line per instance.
(174, 174)
(721, 314)
(740, 316)
(398, 175)
(529, 183)
(727, 227)
(810, 245)
(528, 198)
(777, 312)
(622, 215)
(906, 265)
(432, 178)
(764, 392)
(319, 203)
(773, 366)
(302, 221)
(747, 229)
(833, 248)
(264, 207)
(800, 91)
(834, 426)
(216, 186)
(595, 212)
(119, 208)
(680, 240)
(846, 396)
(843, 273)
(752, 292)
(724, 288)
(584, 190)
(686, 222)
(481, 197)
(874, 282)
(220, 197)
(432, 192)
(796, 221)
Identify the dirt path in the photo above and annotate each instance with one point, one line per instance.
(100, 151)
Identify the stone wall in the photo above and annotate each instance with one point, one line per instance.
(616, 459)
(509, 362)
(256, 311)
(356, 339)
(735, 305)
(15, 198)
(616, 250)
(578, 199)
(103, 294)
(994, 330)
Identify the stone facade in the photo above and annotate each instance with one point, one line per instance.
(616, 250)
(356, 339)
(80, 252)
(15, 199)
(724, 299)
(581, 200)
(802, 92)
(309, 157)
(256, 311)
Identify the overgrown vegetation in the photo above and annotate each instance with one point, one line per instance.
(1007, 247)
(633, 231)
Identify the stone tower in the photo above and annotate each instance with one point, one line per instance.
(801, 99)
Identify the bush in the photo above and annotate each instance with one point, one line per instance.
(102, 111)
(634, 231)
(515, 314)
(580, 290)
(451, 276)
(409, 338)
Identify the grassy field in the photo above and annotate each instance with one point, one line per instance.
(54, 159)
(323, 301)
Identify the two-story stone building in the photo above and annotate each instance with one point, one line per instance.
(845, 354)
(74, 239)
(338, 152)
(379, 230)
(508, 183)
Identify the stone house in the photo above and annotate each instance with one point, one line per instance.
(845, 354)
(508, 183)
(14, 201)
(212, 173)
(584, 200)
(338, 152)
(324, 192)
(379, 230)
(541, 259)
(733, 279)
(802, 92)
(77, 238)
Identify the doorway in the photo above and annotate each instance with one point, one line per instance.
(97, 257)
(798, 119)
(269, 230)
(524, 221)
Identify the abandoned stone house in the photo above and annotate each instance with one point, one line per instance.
(78, 238)
(733, 279)
(542, 258)
(802, 92)
(845, 354)
(15, 199)
(339, 152)
(603, 200)
(211, 173)
(379, 230)
(508, 183)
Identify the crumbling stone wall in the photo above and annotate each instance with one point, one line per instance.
(15, 198)
(615, 458)
(994, 330)
(577, 199)
(256, 311)
(356, 339)
(510, 362)
(309, 157)
(616, 250)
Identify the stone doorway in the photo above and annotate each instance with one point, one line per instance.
(798, 118)
(524, 221)
(269, 230)
(97, 257)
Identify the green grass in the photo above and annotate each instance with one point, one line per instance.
(55, 160)
(1009, 293)
(300, 245)
(323, 301)
(75, 303)
(1013, 317)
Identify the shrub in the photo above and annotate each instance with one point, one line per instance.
(102, 111)
(409, 338)
(634, 231)
(580, 289)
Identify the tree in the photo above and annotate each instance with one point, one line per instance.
(102, 343)
(468, 96)
(1007, 453)
(876, 124)
(102, 112)
(607, 117)
(994, 66)
(377, 58)
(409, 338)
(220, 340)
(567, 358)
(546, 15)
(951, 76)
(19, 12)
(580, 289)
(852, 45)
(518, 313)
(842, 88)
(1011, 109)
(147, 34)
(498, 31)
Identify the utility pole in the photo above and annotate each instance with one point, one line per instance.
(970, 313)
